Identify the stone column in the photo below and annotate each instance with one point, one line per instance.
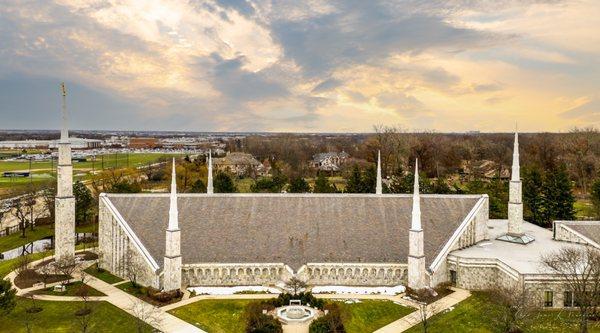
(64, 205)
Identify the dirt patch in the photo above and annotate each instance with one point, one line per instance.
(29, 277)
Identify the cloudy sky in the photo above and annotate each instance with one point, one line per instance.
(310, 66)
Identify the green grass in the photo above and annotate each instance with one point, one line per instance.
(370, 315)
(243, 185)
(15, 240)
(87, 228)
(584, 209)
(60, 317)
(471, 316)
(102, 275)
(70, 290)
(6, 266)
(215, 316)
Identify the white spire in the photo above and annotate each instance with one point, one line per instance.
(416, 209)
(64, 133)
(516, 174)
(173, 213)
(378, 186)
(209, 185)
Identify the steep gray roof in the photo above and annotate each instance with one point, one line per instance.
(590, 229)
(292, 228)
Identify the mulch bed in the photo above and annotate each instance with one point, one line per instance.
(29, 277)
(87, 255)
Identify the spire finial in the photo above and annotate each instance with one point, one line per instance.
(173, 213)
(416, 209)
(379, 185)
(64, 133)
(516, 173)
(209, 185)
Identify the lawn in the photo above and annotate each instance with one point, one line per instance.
(471, 316)
(60, 317)
(71, 290)
(370, 315)
(584, 209)
(215, 316)
(102, 275)
(15, 240)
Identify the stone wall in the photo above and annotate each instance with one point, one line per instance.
(118, 252)
(234, 274)
(357, 274)
(473, 232)
(563, 233)
(482, 274)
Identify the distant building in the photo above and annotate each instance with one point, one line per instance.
(329, 161)
(139, 143)
(76, 143)
(239, 164)
(484, 169)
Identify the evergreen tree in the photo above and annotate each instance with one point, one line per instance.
(595, 196)
(354, 184)
(299, 185)
(322, 185)
(8, 299)
(533, 199)
(223, 183)
(198, 187)
(558, 194)
(369, 180)
(84, 201)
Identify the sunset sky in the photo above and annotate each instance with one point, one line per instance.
(306, 66)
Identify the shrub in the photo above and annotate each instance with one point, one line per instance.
(258, 322)
(329, 323)
(304, 297)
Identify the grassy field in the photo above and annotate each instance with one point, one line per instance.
(370, 315)
(60, 317)
(584, 209)
(102, 275)
(45, 171)
(471, 316)
(107, 161)
(15, 240)
(214, 316)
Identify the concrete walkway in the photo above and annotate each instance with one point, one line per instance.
(165, 322)
(154, 316)
(436, 307)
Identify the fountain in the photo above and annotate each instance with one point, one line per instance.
(295, 312)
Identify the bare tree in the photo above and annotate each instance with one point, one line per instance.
(579, 268)
(146, 314)
(511, 309)
(131, 266)
(67, 266)
(84, 314)
(425, 299)
(294, 284)
(45, 270)
(22, 264)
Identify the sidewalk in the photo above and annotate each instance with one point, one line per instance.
(436, 307)
(164, 322)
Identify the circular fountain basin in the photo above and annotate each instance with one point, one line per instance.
(295, 313)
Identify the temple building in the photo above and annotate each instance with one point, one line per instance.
(174, 241)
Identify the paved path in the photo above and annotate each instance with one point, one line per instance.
(169, 323)
(414, 318)
(156, 317)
